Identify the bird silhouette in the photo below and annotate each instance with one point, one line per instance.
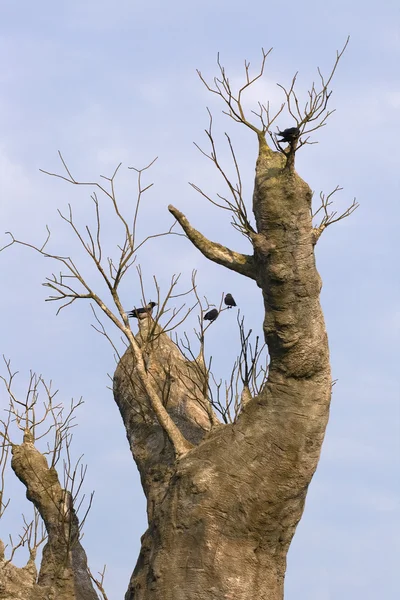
(211, 315)
(229, 301)
(137, 313)
(289, 135)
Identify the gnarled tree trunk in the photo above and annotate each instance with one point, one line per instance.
(222, 516)
(63, 573)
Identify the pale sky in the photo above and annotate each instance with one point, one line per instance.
(106, 82)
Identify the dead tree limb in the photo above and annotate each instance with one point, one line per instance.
(63, 571)
(329, 217)
(72, 285)
(216, 252)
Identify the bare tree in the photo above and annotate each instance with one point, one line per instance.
(63, 570)
(230, 507)
(225, 466)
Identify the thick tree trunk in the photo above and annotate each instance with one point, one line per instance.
(221, 518)
(63, 574)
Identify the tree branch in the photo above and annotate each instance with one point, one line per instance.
(329, 218)
(241, 263)
(222, 87)
(117, 269)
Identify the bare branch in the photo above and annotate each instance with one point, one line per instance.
(329, 217)
(111, 274)
(222, 255)
(140, 193)
(236, 206)
(222, 87)
(312, 115)
(99, 582)
(5, 445)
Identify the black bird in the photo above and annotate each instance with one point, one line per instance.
(137, 312)
(289, 135)
(211, 315)
(229, 301)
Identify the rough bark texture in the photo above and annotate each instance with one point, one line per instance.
(19, 584)
(221, 518)
(63, 574)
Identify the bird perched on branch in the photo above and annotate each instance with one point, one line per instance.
(289, 135)
(211, 315)
(229, 301)
(139, 313)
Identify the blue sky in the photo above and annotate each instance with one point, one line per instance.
(106, 82)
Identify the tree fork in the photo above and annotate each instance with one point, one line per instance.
(226, 514)
(64, 565)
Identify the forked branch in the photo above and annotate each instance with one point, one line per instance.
(234, 99)
(33, 536)
(310, 116)
(72, 284)
(329, 217)
(45, 424)
(236, 205)
(99, 581)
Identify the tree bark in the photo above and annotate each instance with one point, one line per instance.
(221, 517)
(63, 573)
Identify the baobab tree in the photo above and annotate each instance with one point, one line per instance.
(225, 480)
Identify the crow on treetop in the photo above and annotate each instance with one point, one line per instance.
(137, 313)
(289, 135)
